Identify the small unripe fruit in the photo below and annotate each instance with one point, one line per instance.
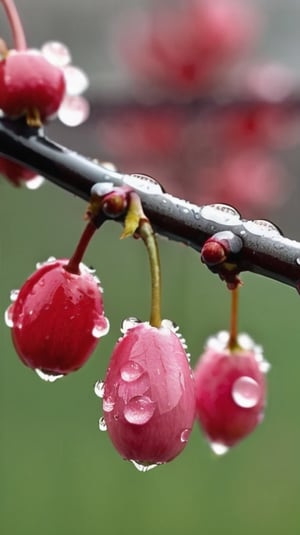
(230, 390)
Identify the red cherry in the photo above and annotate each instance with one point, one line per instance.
(57, 319)
(30, 84)
(15, 173)
(149, 398)
(230, 391)
(185, 47)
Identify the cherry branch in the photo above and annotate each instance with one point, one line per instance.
(264, 250)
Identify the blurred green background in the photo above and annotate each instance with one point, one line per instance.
(60, 474)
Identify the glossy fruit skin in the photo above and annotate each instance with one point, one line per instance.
(15, 173)
(28, 82)
(163, 381)
(221, 418)
(54, 316)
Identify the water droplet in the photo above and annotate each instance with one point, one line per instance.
(262, 227)
(102, 424)
(8, 316)
(102, 188)
(14, 295)
(185, 435)
(221, 213)
(101, 328)
(246, 392)
(47, 376)
(50, 260)
(56, 53)
(298, 261)
(144, 467)
(35, 183)
(264, 366)
(129, 323)
(131, 371)
(139, 410)
(218, 342)
(76, 80)
(74, 110)
(99, 389)
(108, 404)
(144, 183)
(170, 325)
(218, 448)
(109, 165)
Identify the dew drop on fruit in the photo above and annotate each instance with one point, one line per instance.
(74, 110)
(102, 424)
(56, 53)
(221, 213)
(264, 366)
(218, 448)
(169, 324)
(185, 435)
(76, 80)
(50, 260)
(8, 316)
(99, 389)
(108, 404)
(144, 467)
(101, 328)
(47, 377)
(131, 371)
(14, 295)
(139, 410)
(129, 323)
(35, 183)
(144, 183)
(246, 392)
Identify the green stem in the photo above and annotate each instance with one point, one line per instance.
(149, 239)
(233, 333)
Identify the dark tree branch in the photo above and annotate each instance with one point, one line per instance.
(265, 251)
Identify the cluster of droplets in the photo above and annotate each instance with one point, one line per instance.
(74, 109)
(148, 395)
(227, 386)
(57, 318)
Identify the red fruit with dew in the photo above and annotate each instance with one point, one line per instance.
(149, 397)
(57, 318)
(14, 172)
(30, 84)
(230, 391)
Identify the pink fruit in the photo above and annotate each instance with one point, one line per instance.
(230, 390)
(149, 398)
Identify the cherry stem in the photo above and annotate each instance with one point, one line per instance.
(15, 24)
(76, 258)
(137, 223)
(149, 239)
(233, 333)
